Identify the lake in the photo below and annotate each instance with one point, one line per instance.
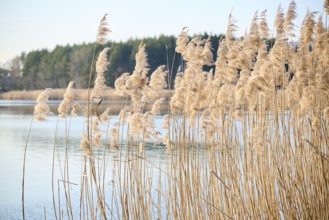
(15, 121)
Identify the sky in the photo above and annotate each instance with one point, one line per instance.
(27, 25)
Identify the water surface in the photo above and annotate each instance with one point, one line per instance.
(15, 125)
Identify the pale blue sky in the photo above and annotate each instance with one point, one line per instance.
(27, 25)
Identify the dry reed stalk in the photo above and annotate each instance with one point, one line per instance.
(247, 141)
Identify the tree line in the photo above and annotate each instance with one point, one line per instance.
(41, 69)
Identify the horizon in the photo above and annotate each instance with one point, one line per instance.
(33, 25)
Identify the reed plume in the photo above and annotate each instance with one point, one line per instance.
(158, 78)
(308, 99)
(138, 80)
(120, 84)
(141, 126)
(319, 37)
(86, 147)
(66, 105)
(194, 51)
(104, 117)
(326, 6)
(207, 55)
(114, 138)
(135, 125)
(103, 31)
(261, 59)
(307, 30)
(41, 109)
(231, 28)
(141, 67)
(156, 106)
(253, 38)
(278, 23)
(157, 83)
(288, 24)
(101, 67)
(124, 113)
(181, 42)
(230, 73)
(263, 26)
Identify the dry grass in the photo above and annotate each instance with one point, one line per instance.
(57, 94)
(247, 141)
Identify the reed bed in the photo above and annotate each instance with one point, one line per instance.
(246, 140)
(57, 94)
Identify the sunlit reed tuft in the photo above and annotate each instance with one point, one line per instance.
(41, 109)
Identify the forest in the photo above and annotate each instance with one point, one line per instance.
(41, 69)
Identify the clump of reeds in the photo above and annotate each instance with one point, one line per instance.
(272, 103)
(246, 139)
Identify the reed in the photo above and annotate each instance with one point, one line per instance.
(248, 139)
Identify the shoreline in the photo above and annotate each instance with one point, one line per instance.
(57, 94)
(110, 99)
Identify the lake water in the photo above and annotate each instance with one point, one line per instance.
(15, 121)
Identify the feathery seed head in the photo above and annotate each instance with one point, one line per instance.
(181, 43)
(103, 30)
(135, 124)
(326, 6)
(158, 78)
(97, 138)
(156, 106)
(41, 109)
(278, 23)
(120, 84)
(105, 115)
(207, 56)
(114, 138)
(67, 103)
(307, 29)
(138, 80)
(263, 26)
(123, 114)
(85, 146)
(253, 31)
(231, 28)
(291, 14)
(101, 67)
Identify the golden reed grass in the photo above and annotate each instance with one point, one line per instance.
(248, 140)
(56, 94)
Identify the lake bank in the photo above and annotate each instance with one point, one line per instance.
(24, 101)
(57, 94)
